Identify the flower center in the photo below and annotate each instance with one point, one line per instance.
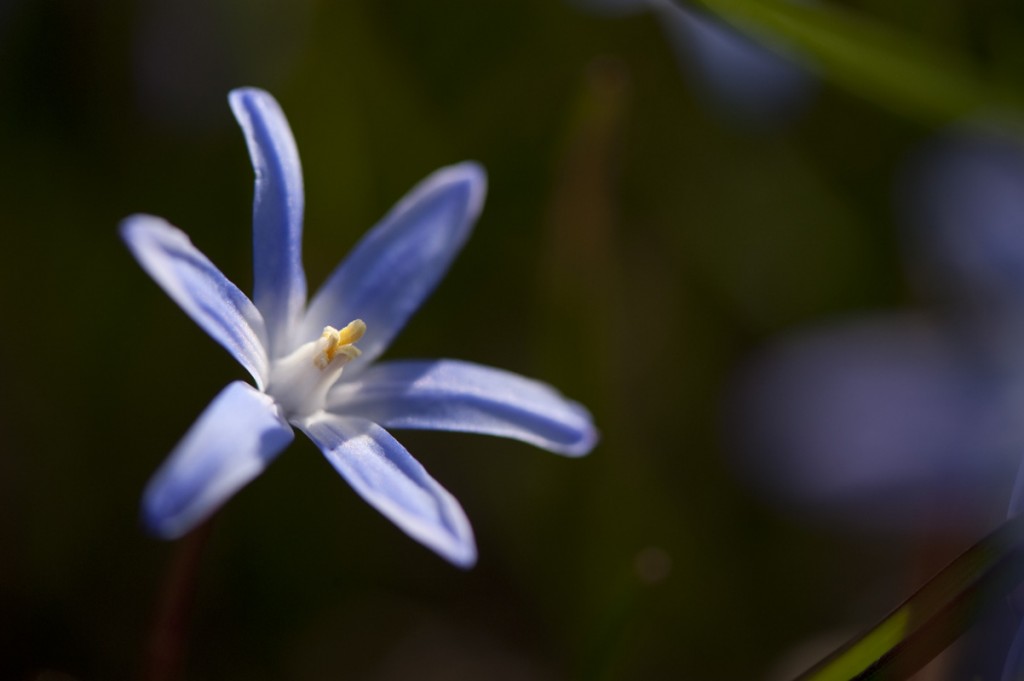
(299, 382)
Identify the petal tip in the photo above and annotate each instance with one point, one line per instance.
(586, 433)
(159, 517)
(458, 547)
(471, 171)
(255, 109)
(589, 438)
(142, 224)
(142, 231)
(466, 180)
(473, 177)
(241, 96)
(131, 225)
(464, 558)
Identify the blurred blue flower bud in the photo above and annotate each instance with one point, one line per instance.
(897, 420)
(885, 421)
(963, 200)
(742, 78)
(750, 80)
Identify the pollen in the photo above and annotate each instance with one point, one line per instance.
(334, 342)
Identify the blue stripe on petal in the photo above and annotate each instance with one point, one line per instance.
(399, 262)
(279, 282)
(388, 478)
(460, 396)
(206, 295)
(231, 443)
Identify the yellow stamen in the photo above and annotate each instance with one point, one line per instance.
(342, 342)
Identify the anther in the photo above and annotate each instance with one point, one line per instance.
(333, 342)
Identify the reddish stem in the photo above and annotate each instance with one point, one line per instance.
(165, 651)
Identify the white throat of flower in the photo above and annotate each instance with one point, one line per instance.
(299, 381)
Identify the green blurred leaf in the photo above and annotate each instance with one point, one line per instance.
(893, 69)
(936, 615)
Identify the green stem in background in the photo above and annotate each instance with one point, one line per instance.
(895, 70)
(165, 651)
(936, 615)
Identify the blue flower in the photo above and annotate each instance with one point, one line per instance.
(911, 419)
(746, 79)
(323, 380)
(753, 80)
(892, 419)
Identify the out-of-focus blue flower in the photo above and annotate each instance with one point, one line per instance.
(884, 419)
(312, 376)
(743, 78)
(748, 79)
(906, 418)
(1013, 666)
(964, 200)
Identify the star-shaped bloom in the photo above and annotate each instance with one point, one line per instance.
(322, 379)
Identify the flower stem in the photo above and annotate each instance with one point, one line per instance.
(165, 650)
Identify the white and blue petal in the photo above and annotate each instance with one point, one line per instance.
(392, 270)
(202, 291)
(231, 443)
(387, 477)
(465, 397)
(279, 282)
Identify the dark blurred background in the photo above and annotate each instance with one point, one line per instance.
(637, 247)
